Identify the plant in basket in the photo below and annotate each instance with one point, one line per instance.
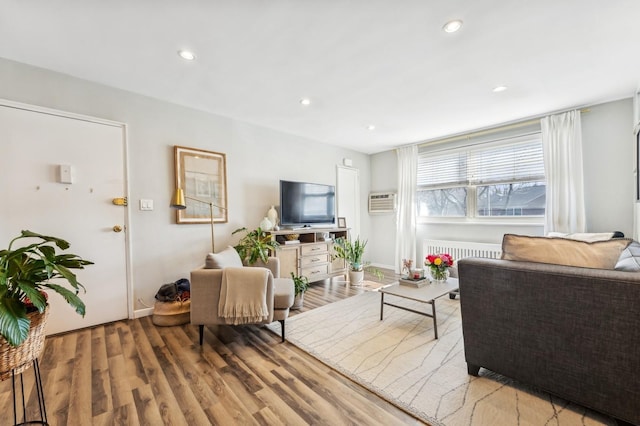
(25, 272)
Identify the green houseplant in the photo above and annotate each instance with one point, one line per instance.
(300, 284)
(255, 245)
(352, 252)
(25, 272)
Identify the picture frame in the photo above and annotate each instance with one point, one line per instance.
(202, 175)
(342, 222)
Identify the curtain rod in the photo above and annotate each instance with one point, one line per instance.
(491, 130)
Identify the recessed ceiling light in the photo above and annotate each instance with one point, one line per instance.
(305, 101)
(187, 55)
(452, 26)
(500, 89)
(371, 127)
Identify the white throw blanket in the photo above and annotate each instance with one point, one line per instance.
(243, 295)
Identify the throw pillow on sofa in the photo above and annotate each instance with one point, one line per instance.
(629, 260)
(228, 257)
(562, 251)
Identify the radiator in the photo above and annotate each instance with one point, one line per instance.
(461, 249)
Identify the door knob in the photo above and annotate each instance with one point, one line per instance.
(117, 228)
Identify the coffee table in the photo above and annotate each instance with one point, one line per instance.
(427, 294)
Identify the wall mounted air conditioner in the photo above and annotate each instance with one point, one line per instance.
(382, 202)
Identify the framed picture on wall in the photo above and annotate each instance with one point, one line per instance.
(342, 222)
(202, 175)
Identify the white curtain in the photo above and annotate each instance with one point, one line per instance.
(562, 145)
(406, 213)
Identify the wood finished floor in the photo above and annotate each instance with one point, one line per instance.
(134, 373)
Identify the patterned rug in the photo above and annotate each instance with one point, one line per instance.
(400, 360)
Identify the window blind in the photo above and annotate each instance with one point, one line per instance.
(515, 159)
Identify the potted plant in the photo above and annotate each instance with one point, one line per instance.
(255, 245)
(301, 284)
(24, 273)
(352, 253)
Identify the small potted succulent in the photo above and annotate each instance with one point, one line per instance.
(25, 272)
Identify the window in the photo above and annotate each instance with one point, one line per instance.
(495, 179)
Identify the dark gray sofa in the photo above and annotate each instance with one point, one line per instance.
(571, 331)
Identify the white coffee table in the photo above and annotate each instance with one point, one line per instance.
(427, 294)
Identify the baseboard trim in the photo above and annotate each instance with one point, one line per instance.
(139, 313)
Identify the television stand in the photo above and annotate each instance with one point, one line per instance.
(312, 257)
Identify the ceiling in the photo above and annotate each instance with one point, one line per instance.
(361, 62)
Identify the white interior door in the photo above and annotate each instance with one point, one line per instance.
(35, 142)
(348, 197)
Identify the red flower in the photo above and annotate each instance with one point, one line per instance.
(445, 260)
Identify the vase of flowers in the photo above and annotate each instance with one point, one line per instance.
(439, 265)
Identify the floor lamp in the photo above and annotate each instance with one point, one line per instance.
(178, 202)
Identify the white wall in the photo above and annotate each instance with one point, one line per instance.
(608, 156)
(609, 162)
(256, 159)
(382, 239)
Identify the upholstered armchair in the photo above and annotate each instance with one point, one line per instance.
(225, 291)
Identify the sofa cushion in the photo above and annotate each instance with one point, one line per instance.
(629, 260)
(228, 257)
(284, 293)
(562, 251)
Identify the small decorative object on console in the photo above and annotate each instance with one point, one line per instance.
(272, 215)
(406, 266)
(266, 224)
(439, 265)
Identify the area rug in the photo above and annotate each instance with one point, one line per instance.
(399, 359)
(371, 285)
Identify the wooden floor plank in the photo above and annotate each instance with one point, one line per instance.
(80, 395)
(120, 390)
(170, 409)
(147, 409)
(100, 380)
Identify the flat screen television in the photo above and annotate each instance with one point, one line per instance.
(304, 204)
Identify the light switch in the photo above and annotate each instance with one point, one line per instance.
(146, 205)
(66, 173)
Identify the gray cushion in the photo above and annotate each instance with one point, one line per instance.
(228, 257)
(629, 260)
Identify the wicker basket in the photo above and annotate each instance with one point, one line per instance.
(167, 314)
(19, 358)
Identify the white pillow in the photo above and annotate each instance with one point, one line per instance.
(228, 257)
(589, 237)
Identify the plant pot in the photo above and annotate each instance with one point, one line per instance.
(356, 277)
(298, 300)
(19, 358)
